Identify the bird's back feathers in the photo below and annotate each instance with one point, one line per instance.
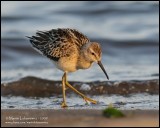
(58, 43)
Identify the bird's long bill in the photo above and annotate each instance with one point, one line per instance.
(100, 64)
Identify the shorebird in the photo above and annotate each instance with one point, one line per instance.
(69, 50)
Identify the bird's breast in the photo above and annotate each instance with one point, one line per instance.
(83, 64)
(67, 63)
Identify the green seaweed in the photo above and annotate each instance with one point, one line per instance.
(111, 112)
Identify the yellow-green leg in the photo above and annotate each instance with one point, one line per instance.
(64, 95)
(82, 95)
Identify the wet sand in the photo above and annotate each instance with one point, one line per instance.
(37, 87)
(68, 117)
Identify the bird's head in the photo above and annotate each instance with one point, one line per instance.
(93, 53)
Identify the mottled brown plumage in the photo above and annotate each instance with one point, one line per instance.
(58, 43)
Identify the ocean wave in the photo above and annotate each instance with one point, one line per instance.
(37, 87)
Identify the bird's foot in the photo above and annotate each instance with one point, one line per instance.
(89, 99)
(85, 101)
(64, 105)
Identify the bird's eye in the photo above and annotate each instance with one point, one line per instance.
(92, 53)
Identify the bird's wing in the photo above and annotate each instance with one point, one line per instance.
(58, 43)
(79, 38)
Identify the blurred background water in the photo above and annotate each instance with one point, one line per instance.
(127, 31)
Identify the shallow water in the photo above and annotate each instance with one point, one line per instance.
(127, 31)
(138, 101)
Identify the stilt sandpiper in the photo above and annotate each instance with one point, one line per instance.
(69, 50)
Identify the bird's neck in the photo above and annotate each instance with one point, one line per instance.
(82, 62)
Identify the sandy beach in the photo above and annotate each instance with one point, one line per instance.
(80, 117)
